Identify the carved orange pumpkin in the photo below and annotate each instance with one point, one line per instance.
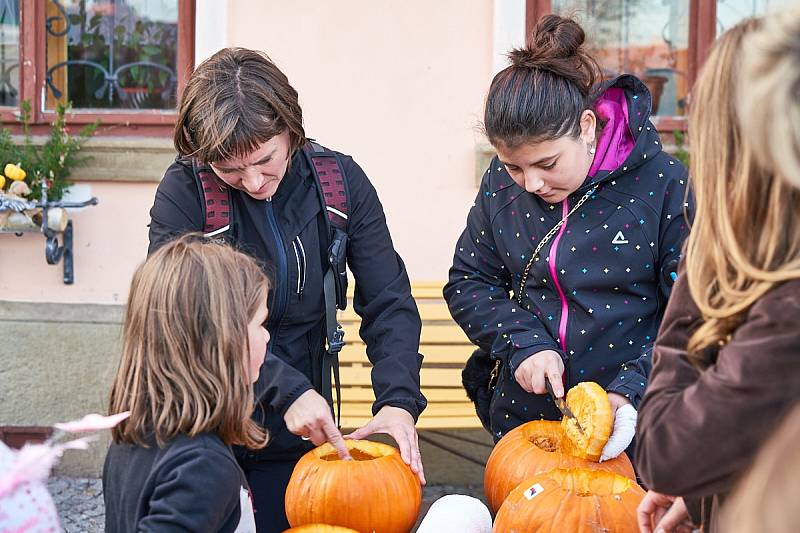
(375, 492)
(577, 500)
(533, 448)
(589, 402)
(320, 528)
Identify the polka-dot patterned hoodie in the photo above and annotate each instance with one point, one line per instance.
(597, 292)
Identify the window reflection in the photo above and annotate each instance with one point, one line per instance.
(648, 38)
(112, 53)
(9, 53)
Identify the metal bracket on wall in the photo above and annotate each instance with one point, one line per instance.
(53, 250)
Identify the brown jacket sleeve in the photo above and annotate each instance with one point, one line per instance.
(699, 431)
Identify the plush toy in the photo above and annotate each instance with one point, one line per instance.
(25, 504)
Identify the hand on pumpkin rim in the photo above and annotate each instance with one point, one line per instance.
(399, 424)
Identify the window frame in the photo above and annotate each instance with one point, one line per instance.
(32, 58)
(702, 33)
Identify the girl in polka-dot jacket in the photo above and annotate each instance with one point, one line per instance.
(580, 175)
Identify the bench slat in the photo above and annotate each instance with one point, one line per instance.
(429, 377)
(424, 422)
(434, 354)
(434, 395)
(427, 312)
(431, 334)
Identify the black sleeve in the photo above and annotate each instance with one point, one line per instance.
(478, 292)
(177, 207)
(183, 499)
(390, 323)
(280, 384)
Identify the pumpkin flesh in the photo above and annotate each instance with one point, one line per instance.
(592, 409)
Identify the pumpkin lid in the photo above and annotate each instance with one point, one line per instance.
(589, 402)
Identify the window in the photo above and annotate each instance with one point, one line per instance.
(663, 42)
(120, 61)
(9, 55)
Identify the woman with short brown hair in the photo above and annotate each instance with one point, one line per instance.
(240, 131)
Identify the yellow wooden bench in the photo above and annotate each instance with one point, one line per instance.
(446, 349)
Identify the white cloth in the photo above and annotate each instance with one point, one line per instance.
(457, 512)
(622, 434)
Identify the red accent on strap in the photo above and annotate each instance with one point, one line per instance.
(215, 195)
(333, 188)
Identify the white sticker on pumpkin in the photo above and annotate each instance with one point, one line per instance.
(533, 491)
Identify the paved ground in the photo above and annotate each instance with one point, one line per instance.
(80, 501)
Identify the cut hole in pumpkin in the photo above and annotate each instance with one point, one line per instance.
(355, 453)
(583, 482)
(546, 444)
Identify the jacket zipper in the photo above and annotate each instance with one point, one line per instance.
(300, 255)
(281, 286)
(562, 326)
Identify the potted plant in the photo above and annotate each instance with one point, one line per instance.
(27, 166)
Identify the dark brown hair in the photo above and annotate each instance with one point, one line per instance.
(184, 367)
(234, 101)
(547, 87)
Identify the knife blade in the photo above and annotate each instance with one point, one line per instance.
(561, 404)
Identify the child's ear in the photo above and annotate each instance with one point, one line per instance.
(588, 127)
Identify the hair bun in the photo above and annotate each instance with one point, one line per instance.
(556, 45)
(554, 38)
(557, 37)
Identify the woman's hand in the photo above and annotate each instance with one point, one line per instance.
(310, 417)
(399, 424)
(531, 373)
(624, 429)
(660, 513)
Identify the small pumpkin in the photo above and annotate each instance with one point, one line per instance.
(376, 491)
(589, 402)
(532, 448)
(14, 172)
(577, 500)
(320, 528)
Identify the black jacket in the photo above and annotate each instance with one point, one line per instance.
(170, 488)
(603, 280)
(288, 235)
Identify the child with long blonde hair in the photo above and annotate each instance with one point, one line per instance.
(726, 363)
(193, 344)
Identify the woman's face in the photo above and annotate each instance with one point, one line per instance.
(257, 340)
(551, 169)
(260, 172)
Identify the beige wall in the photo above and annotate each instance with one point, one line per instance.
(397, 84)
(110, 240)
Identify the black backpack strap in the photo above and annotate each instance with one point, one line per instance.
(216, 201)
(334, 198)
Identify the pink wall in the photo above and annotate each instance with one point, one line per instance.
(399, 85)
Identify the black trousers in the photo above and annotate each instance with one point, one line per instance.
(268, 481)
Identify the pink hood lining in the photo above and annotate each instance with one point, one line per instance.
(616, 141)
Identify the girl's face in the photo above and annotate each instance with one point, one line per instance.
(257, 339)
(552, 169)
(260, 172)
